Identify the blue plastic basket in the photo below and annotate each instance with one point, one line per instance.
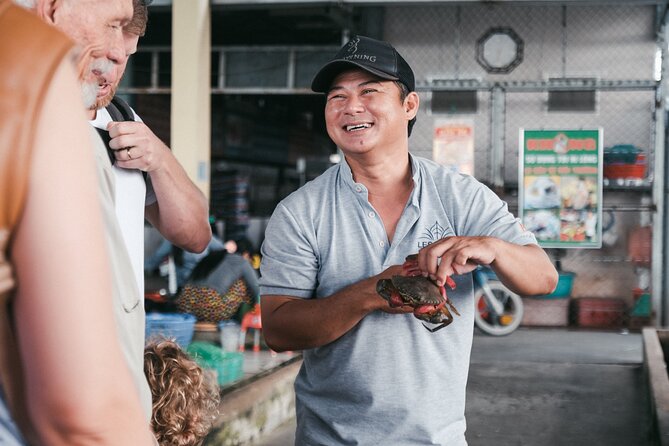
(179, 326)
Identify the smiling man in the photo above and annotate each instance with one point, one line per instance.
(371, 373)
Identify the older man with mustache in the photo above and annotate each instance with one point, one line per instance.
(150, 182)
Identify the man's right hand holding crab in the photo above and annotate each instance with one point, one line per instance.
(512, 263)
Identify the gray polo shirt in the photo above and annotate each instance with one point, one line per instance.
(388, 380)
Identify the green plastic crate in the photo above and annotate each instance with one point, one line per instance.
(227, 365)
(642, 306)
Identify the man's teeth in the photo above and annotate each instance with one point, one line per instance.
(353, 128)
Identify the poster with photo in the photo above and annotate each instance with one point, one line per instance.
(453, 144)
(560, 186)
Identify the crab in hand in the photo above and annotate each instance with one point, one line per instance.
(429, 300)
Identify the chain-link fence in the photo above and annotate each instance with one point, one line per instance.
(607, 56)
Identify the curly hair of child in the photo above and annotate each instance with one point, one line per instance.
(185, 396)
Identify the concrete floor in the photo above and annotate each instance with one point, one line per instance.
(549, 387)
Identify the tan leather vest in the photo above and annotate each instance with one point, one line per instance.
(30, 53)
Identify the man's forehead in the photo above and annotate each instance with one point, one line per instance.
(358, 77)
(104, 9)
(355, 73)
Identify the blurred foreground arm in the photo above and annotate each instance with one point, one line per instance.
(78, 387)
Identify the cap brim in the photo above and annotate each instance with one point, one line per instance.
(323, 79)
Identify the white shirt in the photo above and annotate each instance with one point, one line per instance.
(132, 195)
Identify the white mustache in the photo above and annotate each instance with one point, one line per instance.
(102, 65)
(89, 88)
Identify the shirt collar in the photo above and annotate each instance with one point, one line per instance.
(415, 169)
(347, 176)
(416, 176)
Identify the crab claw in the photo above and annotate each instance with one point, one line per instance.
(447, 301)
(441, 317)
(410, 266)
(427, 311)
(450, 304)
(385, 289)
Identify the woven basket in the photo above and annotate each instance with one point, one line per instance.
(208, 305)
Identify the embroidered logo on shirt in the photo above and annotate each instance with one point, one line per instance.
(431, 235)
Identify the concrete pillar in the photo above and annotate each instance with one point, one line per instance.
(191, 95)
(660, 259)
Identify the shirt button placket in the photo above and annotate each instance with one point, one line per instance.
(372, 215)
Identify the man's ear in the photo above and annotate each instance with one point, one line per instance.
(411, 104)
(46, 10)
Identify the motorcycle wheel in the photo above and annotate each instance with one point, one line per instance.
(505, 323)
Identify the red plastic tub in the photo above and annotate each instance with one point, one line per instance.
(625, 171)
(599, 312)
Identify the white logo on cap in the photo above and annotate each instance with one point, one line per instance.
(353, 48)
(353, 45)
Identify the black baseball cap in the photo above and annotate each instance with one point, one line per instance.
(374, 56)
